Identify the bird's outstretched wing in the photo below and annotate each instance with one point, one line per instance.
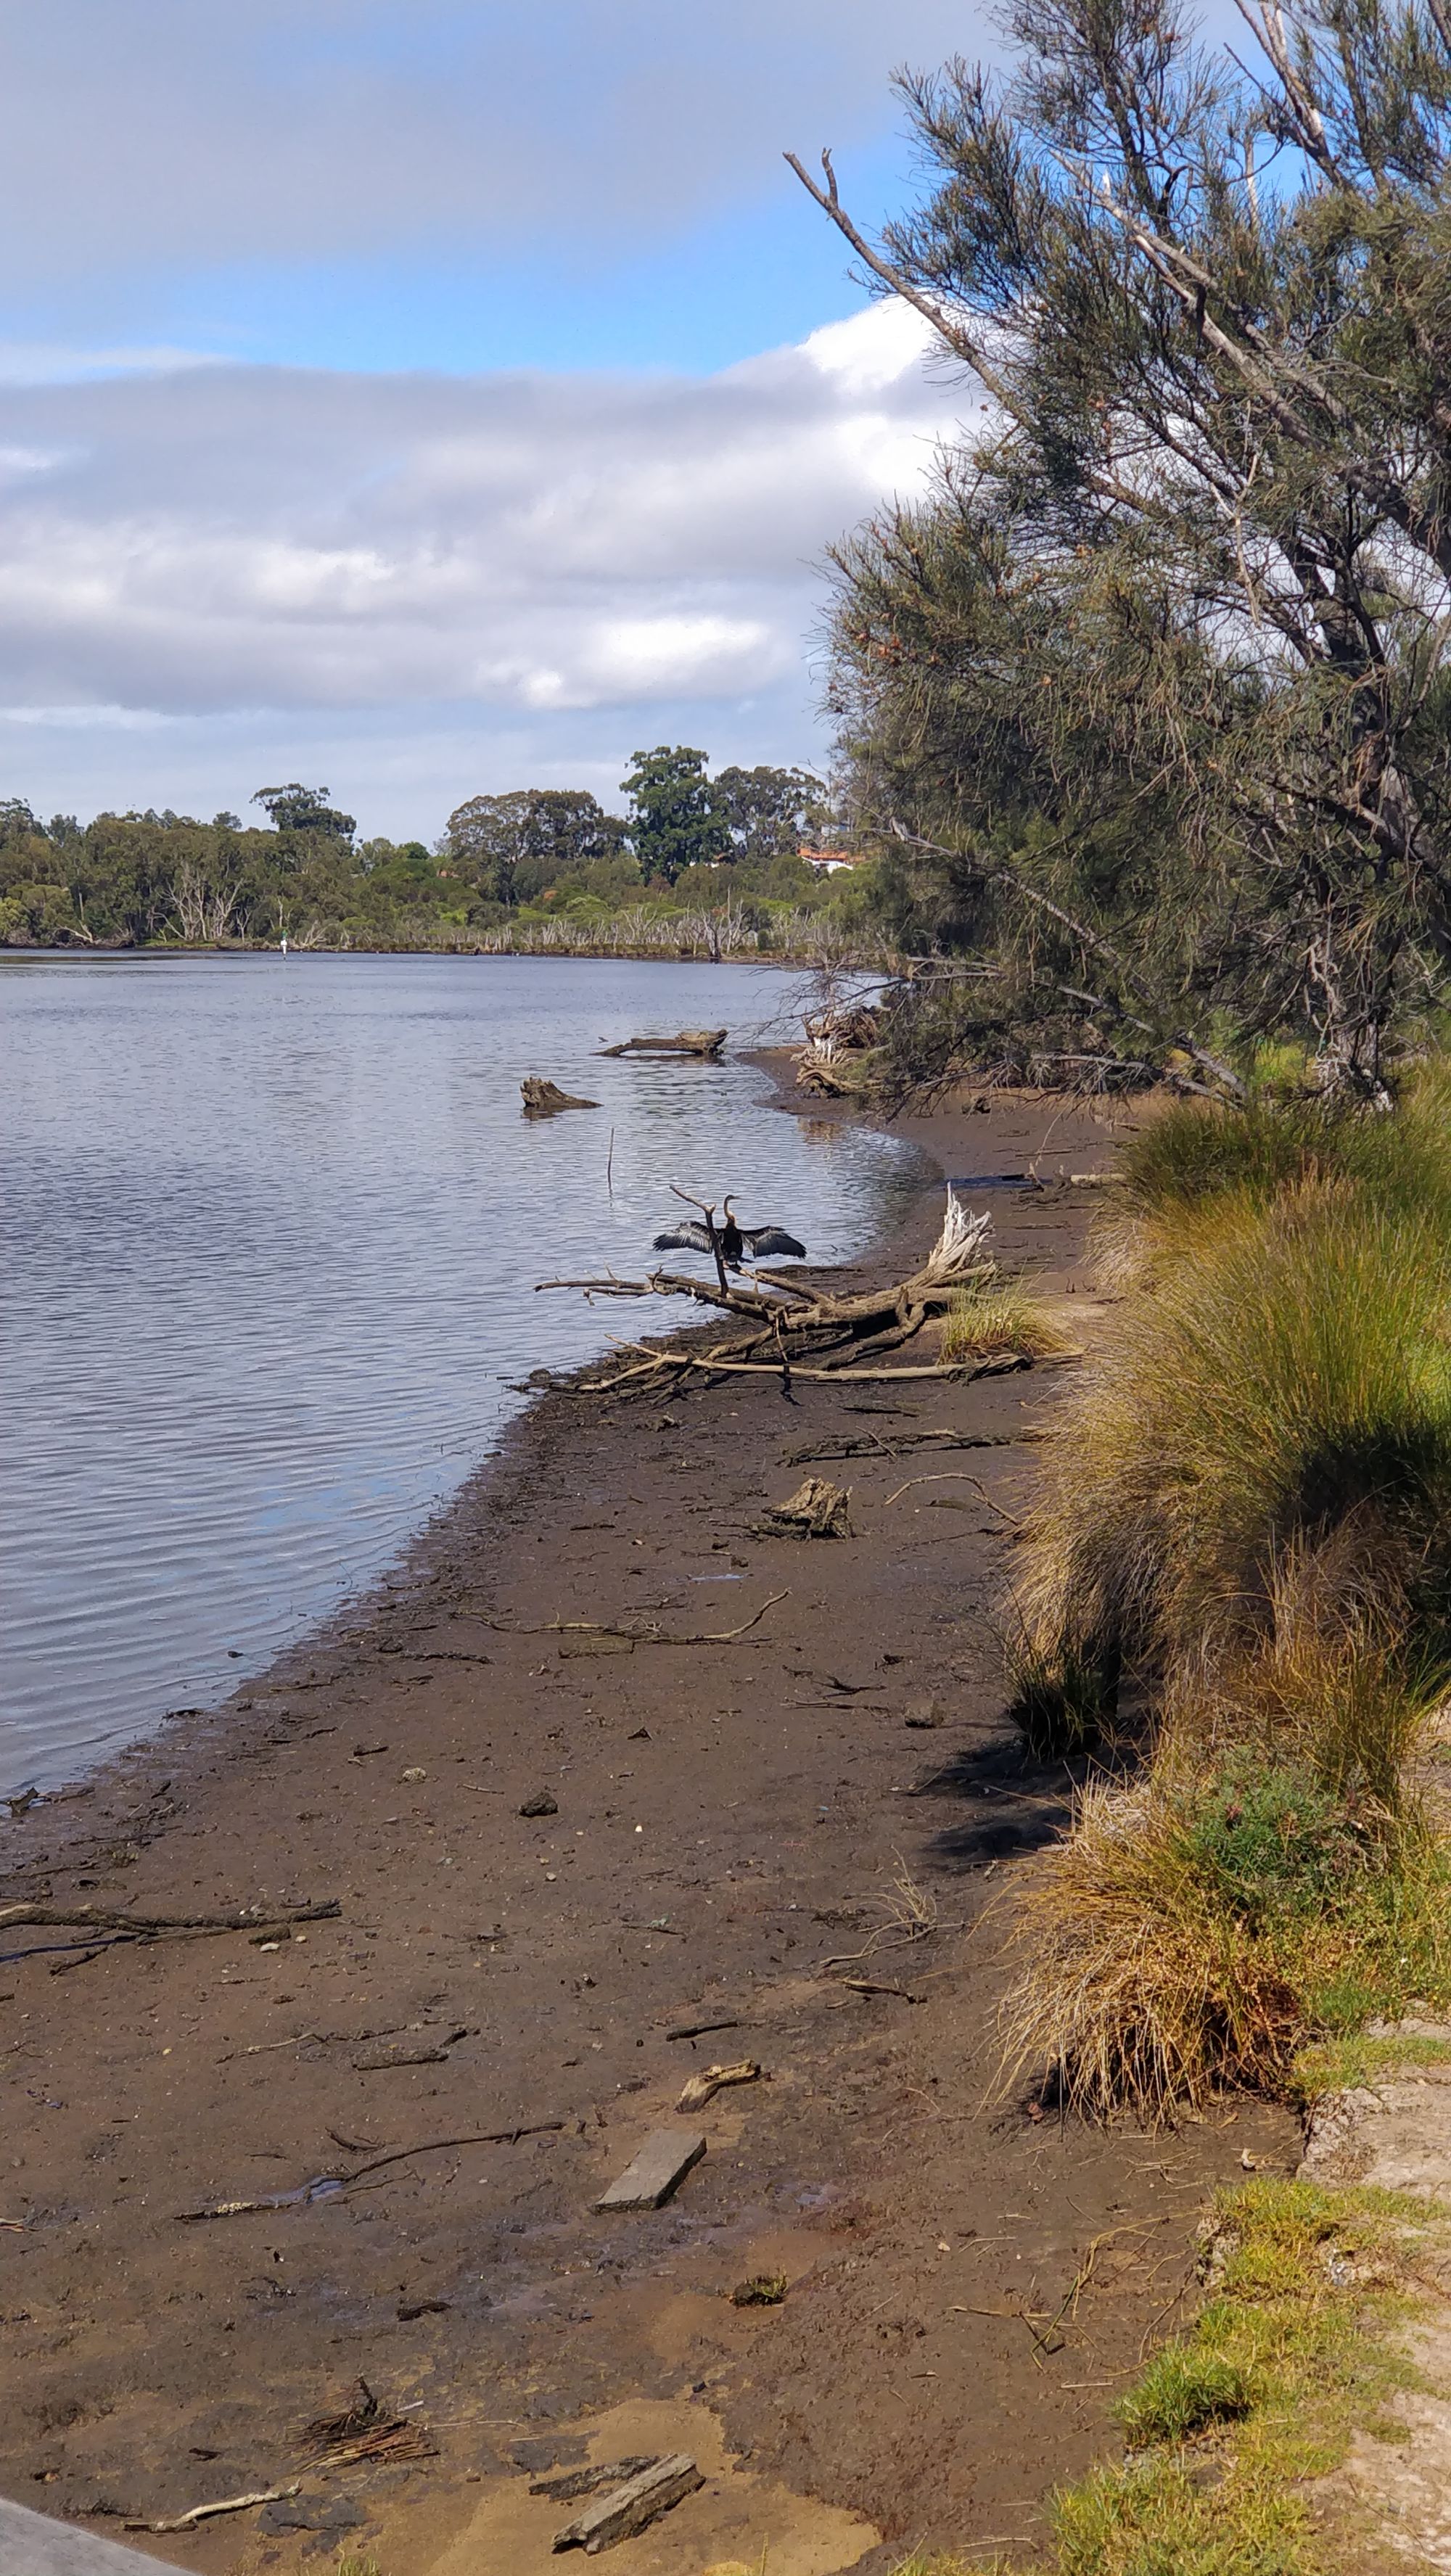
(768, 1243)
(682, 1238)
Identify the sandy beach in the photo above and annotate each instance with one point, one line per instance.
(724, 1827)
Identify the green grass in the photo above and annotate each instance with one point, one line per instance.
(1357, 2061)
(1229, 2427)
(1294, 2350)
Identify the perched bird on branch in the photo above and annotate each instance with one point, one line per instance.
(734, 1242)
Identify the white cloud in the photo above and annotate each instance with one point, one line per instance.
(248, 536)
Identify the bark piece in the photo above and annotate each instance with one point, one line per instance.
(655, 2171)
(632, 2507)
(700, 2088)
(565, 2484)
(817, 1509)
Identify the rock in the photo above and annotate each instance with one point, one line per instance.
(925, 1712)
(543, 1803)
(310, 2513)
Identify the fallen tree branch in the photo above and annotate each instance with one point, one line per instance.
(329, 2186)
(1000, 1364)
(853, 1446)
(103, 1918)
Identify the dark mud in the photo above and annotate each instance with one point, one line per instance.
(730, 1821)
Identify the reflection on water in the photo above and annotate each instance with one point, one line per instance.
(268, 1236)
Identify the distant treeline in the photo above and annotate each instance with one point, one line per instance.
(537, 868)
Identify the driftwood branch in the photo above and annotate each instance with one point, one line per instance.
(102, 1918)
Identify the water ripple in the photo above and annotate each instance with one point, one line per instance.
(268, 1236)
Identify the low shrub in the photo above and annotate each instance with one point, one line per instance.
(1196, 1165)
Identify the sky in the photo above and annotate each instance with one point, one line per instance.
(426, 397)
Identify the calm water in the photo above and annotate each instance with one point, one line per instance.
(268, 1236)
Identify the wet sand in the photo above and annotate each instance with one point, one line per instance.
(728, 1821)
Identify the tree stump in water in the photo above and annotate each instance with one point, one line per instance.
(542, 1099)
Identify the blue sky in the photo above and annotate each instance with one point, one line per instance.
(434, 396)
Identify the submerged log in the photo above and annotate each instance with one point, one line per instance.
(543, 1099)
(701, 1042)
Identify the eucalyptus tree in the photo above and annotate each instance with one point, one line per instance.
(1152, 696)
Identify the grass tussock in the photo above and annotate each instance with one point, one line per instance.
(997, 1314)
(1285, 1392)
(1194, 1167)
(1246, 1513)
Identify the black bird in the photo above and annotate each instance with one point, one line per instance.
(736, 1243)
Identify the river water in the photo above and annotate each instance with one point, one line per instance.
(269, 1231)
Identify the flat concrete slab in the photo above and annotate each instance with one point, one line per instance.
(652, 2175)
(32, 2545)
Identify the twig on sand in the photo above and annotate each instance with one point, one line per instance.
(955, 1476)
(329, 2186)
(640, 1636)
(226, 2504)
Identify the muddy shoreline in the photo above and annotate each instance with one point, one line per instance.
(727, 1819)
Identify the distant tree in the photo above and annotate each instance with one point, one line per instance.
(769, 812)
(675, 819)
(514, 845)
(295, 808)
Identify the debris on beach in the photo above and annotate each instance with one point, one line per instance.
(655, 2171)
(564, 2485)
(817, 1509)
(367, 2430)
(632, 2507)
(712, 2080)
(225, 2504)
(763, 2290)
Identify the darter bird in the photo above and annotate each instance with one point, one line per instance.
(736, 1243)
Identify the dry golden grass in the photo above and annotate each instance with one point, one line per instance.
(1289, 1381)
(1137, 1987)
(1001, 1315)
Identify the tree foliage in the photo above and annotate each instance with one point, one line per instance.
(516, 845)
(675, 820)
(1152, 694)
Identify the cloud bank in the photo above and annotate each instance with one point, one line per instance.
(166, 132)
(429, 578)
